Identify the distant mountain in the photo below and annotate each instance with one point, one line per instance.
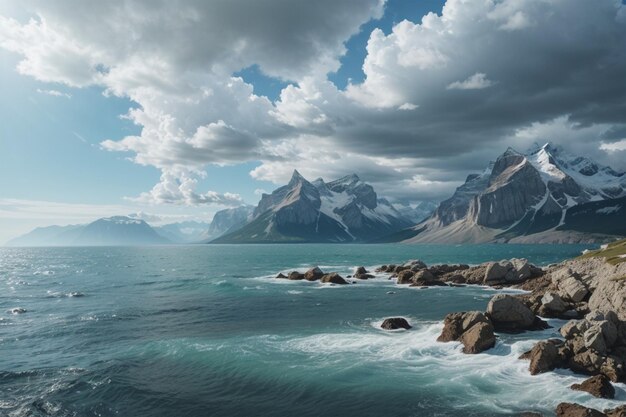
(47, 236)
(227, 221)
(417, 213)
(109, 231)
(344, 210)
(543, 195)
(183, 232)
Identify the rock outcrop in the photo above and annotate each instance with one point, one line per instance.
(599, 386)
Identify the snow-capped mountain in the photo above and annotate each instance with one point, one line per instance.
(107, 231)
(417, 213)
(543, 195)
(344, 210)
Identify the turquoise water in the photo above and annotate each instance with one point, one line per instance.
(207, 331)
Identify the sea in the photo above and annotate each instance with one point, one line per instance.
(206, 330)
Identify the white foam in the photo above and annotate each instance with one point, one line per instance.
(495, 379)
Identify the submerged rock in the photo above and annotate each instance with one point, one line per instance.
(394, 323)
(599, 386)
(17, 310)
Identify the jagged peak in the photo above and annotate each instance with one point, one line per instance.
(510, 151)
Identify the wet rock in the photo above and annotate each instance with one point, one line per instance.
(333, 278)
(313, 274)
(360, 270)
(424, 278)
(478, 338)
(295, 276)
(599, 386)
(509, 314)
(17, 310)
(394, 323)
(405, 277)
(543, 357)
(576, 410)
(415, 265)
(281, 276)
(382, 268)
(472, 328)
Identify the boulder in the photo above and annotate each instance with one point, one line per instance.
(543, 357)
(522, 268)
(572, 289)
(363, 276)
(405, 277)
(473, 329)
(415, 265)
(452, 327)
(478, 338)
(495, 273)
(333, 278)
(613, 368)
(599, 386)
(510, 314)
(295, 276)
(281, 276)
(425, 278)
(553, 302)
(586, 362)
(576, 410)
(475, 274)
(573, 328)
(382, 268)
(360, 270)
(455, 324)
(394, 323)
(313, 274)
(600, 336)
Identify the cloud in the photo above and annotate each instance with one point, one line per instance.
(619, 146)
(55, 93)
(546, 77)
(477, 81)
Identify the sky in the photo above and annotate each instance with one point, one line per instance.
(176, 109)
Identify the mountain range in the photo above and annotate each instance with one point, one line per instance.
(344, 210)
(542, 195)
(107, 231)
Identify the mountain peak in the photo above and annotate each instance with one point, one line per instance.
(296, 178)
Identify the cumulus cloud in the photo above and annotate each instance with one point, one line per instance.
(526, 72)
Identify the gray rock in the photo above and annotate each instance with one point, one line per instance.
(313, 274)
(495, 272)
(572, 289)
(509, 313)
(478, 338)
(553, 302)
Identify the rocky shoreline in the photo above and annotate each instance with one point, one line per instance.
(589, 291)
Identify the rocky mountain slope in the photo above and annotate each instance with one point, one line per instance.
(344, 210)
(108, 231)
(227, 221)
(183, 232)
(544, 195)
